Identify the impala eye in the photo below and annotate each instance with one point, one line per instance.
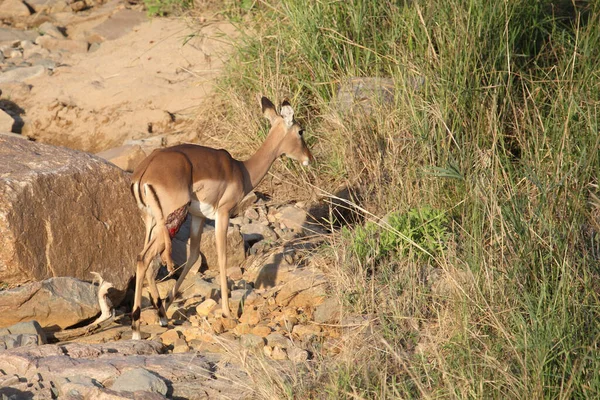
(301, 132)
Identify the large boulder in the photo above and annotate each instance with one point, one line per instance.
(64, 213)
(55, 303)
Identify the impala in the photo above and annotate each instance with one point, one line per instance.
(206, 183)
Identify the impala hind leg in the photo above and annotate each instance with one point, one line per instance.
(152, 248)
(161, 224)
(155, 296)
(196, 229)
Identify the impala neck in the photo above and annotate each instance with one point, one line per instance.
(258, 165)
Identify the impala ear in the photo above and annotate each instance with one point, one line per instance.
(268, 109)
(287, 113)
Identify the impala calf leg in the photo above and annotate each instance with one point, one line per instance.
(196, 229)
(221, 225)
(152, 248)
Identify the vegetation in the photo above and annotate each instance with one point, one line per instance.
(483, 282)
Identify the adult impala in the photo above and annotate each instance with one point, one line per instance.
(207, 183)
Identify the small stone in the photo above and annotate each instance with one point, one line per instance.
(297, 355)
(235, 273)
(255, 232)
(277, 339)
(268, 351)
(328, 312)
(250, 316)
(251, 213)
(149, 316)
(251, 341)
(180, 346)
(279, 354)
(169, 337)
(139, 379)
(261, 330)
(242, 329)
(307, 330)
(204, 308)
(217, 326)
(47, 28)
(228, 323)
(78, 5)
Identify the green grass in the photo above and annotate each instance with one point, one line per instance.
(501, 141)
(163, 8)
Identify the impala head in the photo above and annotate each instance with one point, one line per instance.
(283, 124)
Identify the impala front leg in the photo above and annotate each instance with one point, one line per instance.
(221, 225)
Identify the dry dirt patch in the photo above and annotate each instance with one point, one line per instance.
(155, 76)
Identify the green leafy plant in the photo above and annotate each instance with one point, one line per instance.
(424, 229)
(161, 8)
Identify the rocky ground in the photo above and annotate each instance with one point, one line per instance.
(98, 76)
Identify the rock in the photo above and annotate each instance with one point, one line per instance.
(28, 328)
(293, 218)
(8, 35)
(22, 74)
(14, 9)
(79, 5)
(48, 29)
(206, 307)
(261, 330)
(328, 312)
(305, 288)
(6, 122)
(278, 340)
(56, 302)
(251, 341)
(306, 330)
(126, 157)
(270, 272)
(170, 336)
(13, 340)
(250, 316)
(279, 354)
(255, 232)
(180, 346)
(119, 24)
(241, 329)
(149, 316)
(195, 285)
(53, 44)
(139, 379)
(297, 355)
(164, 288)
(251, 213)
(65, 213)
(235, 273)
(236, 253)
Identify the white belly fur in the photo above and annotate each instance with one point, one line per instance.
(203, 209)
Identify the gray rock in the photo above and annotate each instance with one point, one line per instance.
(22, 74)
(17, 340)
(292, 217)
(139, 379)
(125, 157)
(252, 341)
(255, 232)
(27, 327)
(277, 339)
(64, 213)
(81, 367)
(10, 35)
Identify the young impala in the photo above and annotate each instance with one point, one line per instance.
(207, 183)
